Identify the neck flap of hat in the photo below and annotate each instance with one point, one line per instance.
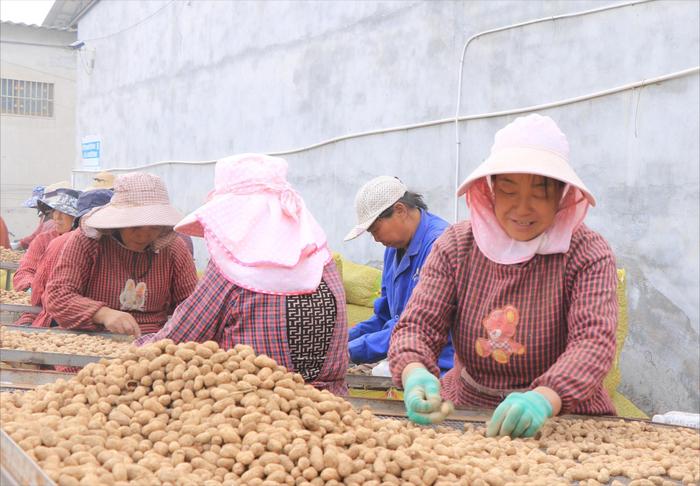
(498, 247)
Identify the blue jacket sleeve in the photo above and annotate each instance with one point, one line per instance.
(373, 347)
(374, 323)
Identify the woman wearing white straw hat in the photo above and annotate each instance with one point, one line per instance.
(124, 269)
(271, 282)
(527, 290)
(398, 219)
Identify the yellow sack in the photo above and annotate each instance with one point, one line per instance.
(358, 313)
(623, 406)
(363, 284)
(339, 264)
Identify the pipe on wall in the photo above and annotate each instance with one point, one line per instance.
(494, 114)
(502, 29)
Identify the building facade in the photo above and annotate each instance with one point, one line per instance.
(37, 116)
(351, 90)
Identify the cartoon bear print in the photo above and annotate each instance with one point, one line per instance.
(133, 297)
(500, 326)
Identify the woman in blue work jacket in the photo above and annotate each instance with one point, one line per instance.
(399, 220)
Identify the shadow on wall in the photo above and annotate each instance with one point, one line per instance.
(659, 364)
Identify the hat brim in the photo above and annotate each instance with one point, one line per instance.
(111, 217)
(31, 202)
(55, 203)
(190, 225)
(99, 185)
(364, 226)
(523, 160)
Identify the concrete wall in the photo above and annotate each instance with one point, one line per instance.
(217, 78)
(35, 150)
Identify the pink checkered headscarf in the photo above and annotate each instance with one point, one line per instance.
(257, 228)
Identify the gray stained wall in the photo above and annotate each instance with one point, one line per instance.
(35, 149)
(201, 80)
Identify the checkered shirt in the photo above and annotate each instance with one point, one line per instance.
(41, 277)
(43, 226)
(91, 274)
(567, 310)
(24, 275)
(221, 311)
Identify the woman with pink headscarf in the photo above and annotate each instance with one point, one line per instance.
(271, 282)
(527, 290)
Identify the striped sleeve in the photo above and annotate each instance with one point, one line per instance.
(203, 315)
(24, 276)
(592, 323)
(64, 295)
(45, 267)
(42, 227)
(184, 274)
(423, 328)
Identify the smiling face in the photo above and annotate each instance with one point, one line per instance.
(525, 204)
(138, 238)
(63, 221)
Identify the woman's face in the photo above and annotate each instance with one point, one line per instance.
(138, 238)
(63, 221)
(394, 231)
(525, 204)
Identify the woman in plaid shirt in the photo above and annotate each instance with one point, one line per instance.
(527, 291)
(62, 205)
(86, 201)
(124, 270)
(271, 282)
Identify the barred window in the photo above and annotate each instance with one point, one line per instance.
(31, 98)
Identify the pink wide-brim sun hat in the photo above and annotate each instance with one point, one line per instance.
(533, 144)
(258, 231)
(139, 199)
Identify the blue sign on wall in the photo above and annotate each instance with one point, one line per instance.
(91, 150)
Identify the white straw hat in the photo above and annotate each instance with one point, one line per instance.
(102, 180)
(374, 198)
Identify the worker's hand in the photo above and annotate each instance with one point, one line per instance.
(422, 397)
(520, 415)
(117, 322)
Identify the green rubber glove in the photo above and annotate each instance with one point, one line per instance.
(422, 397)
(520, 415)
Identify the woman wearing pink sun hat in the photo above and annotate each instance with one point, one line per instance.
(124, 269)
(526, 289)
(271, 282)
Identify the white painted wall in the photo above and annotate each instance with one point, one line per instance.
(201, 80)
(35, 150)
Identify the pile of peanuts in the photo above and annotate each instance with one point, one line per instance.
(55, 342)
(191, 413)
(7, 255)
(14, 297)
(364, 369)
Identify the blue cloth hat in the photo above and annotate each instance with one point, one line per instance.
(63, 200)
(93, 199)
(37, 193)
